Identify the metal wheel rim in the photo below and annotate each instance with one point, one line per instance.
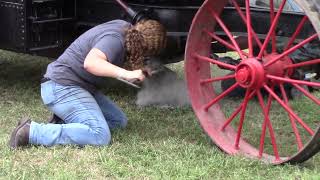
(198, 47)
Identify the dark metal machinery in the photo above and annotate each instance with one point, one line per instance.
(36, 26)
(46, 27)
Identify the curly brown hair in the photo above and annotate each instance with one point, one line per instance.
(146, 38)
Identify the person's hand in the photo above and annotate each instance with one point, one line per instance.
(133, 76)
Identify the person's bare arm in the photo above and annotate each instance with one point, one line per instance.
(96, 63)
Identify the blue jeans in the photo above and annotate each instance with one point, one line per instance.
(88, 117)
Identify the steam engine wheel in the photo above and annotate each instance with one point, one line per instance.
(265, 123)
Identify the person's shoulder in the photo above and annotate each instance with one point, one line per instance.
(118, 22)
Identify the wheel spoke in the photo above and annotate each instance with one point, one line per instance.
(311, 62)
(272, 29)
(225, 65)
(294, 48)
(273, 36)
(222, 95)
(264, 126)
(204, 81)
(289, 110)
(309, 95)
(227, 31)
(231, 118)
(222, 41)
(236, 112)
(293, 124)
(268, 123)
(288, 80)
(236, 5)
(242, 117)
(249, 29)
(296, 33)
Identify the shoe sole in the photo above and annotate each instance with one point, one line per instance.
(12, 142)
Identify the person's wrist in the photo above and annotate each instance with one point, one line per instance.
(121, 74)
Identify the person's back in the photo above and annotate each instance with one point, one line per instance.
(68, 68)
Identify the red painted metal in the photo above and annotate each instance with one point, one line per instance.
(203, 58)
(289, 110)
(228, 45)
(296, 33)
(245, 22)
(293, 81)
(222, 95)
(249, 29)
(236, 112)
(306, 63)
(272, 29)
(293, 124)
(254, 74)
(273, 39)
(250, 74)
(227, 31)
(268, 123)
(264, 124)
(217, 79)
(309, 95)
(243, 112)
(231, 118)
(277, 68)
(291, 50)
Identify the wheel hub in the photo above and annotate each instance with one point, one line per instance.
(250, 74)
(278, 68)
(243, 75)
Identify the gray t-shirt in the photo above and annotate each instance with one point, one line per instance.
(68, 68)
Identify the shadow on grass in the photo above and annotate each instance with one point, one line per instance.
(20, 76)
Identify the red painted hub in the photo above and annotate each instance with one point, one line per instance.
(243, 75)
(250, 74)
(278, 68)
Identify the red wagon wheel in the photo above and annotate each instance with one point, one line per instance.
(265, 123)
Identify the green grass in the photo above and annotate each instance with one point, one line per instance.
(157, 144)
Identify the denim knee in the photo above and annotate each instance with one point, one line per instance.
(103, 137)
